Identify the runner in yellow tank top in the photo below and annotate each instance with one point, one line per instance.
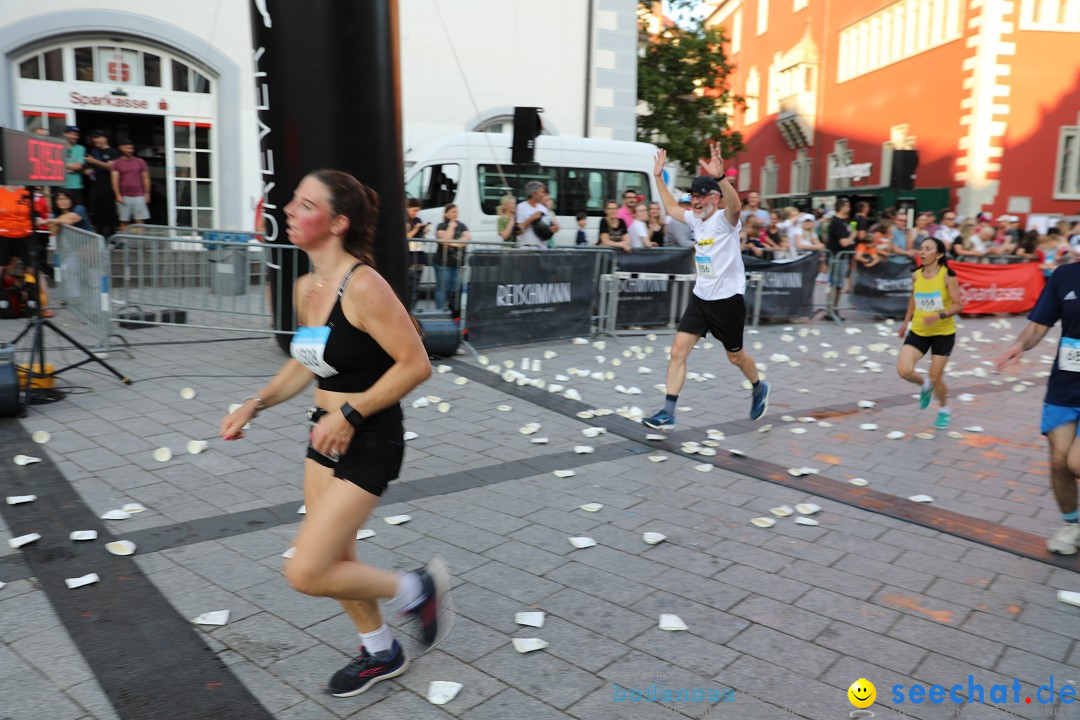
(934, 304)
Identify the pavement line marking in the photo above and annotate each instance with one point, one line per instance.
(999, 537)
(150, 661)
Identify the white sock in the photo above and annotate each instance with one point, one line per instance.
(408, 592)
(926, 385)
(377, 641)
(945, 409)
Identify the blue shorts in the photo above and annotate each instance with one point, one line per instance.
(1054, 416)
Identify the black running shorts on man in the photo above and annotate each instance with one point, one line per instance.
(723, 318)
(936, 344)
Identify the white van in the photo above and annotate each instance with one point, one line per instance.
(473, 171)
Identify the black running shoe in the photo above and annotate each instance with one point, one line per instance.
(366, 669)
(434, 609)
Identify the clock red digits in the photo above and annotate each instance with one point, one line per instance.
(36, 173)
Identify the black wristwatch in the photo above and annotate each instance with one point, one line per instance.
(352, 415)
(943, 314)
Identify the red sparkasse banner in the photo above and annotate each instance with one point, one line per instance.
(999, 288)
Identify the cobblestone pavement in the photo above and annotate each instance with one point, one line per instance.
(786, 617)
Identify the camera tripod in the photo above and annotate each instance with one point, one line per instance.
(35, 367)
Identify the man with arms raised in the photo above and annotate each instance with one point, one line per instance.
(716, 304)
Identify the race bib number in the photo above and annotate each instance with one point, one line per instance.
(929, 302)
(705, 266)
(308, 346)
(1069, 355)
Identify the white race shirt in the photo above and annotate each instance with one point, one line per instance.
(638, 231)
(717, 255)
(528, 237)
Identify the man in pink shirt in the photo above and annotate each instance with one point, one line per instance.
(131, 185)
(630, 201)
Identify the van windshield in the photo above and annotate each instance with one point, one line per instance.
(435, 185)
(573, 190)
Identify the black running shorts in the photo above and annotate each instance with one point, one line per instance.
(936, 344)
(372, 460)
(725, 319)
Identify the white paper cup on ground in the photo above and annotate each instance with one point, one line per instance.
(582, 542)
(20, 499)
(591, 507)
(532, 619)
(801, 520)
(116, 515)
(214, 617)
(859, 482)
(41, 437)
(88, 579)
(18, 542)
(163, 454)
(133, 508)
(807, 508)
(672, 622)
(782, 511)
(653, 538)
(121, 547)
(194, 447)
(763, 522)
(364, 533)
(441, 692)
(1069, 597)
(397, 519)
(526, 645)
(187, 393)
(26, 459)
(78, 535)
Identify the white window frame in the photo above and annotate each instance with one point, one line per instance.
(840, 152)
(762, 17)
(1070, 189)
(800, 173)
(1053, 15)
(736, 32)
(744, 177)
(797, 5)
(752, 113)
(770, 176)
(902, 30)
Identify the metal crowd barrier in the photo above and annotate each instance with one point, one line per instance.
(82, 280)
(679, 299)
(208, 279)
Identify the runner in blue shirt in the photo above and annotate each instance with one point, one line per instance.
(1060, 300)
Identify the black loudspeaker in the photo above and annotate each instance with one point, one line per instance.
(440, 333)
(904, 165)
(526, 127)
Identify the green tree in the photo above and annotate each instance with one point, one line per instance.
(683, 82)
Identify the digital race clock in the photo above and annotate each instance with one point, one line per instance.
(29, 159)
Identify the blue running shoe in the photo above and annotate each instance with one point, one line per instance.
(943, 419)
(660, 421)
(760, 401)
(925, 394)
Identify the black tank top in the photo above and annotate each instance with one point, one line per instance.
(344, 358)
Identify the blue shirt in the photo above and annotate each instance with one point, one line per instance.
(1060, 300)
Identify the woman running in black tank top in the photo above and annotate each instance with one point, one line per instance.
(360, 344)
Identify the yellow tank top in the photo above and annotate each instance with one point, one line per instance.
(932, 297)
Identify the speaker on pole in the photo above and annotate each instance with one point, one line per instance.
(904, 165)
(527, 127)
(327, 96)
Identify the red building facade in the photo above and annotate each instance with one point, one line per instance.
(987, 92)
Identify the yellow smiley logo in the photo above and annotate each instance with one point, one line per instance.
(862, 693)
